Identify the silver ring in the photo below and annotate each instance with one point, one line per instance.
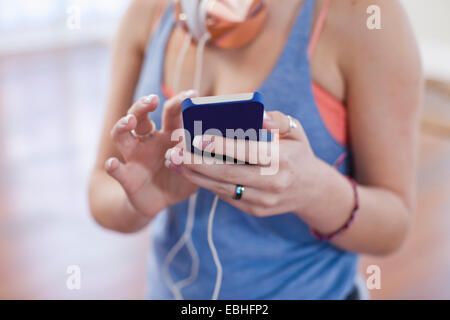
(144, 136)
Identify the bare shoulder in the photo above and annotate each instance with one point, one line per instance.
(378, 56)
(138, 20)
(369, 20)
(375, 31)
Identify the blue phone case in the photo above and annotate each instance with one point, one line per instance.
(245, 111)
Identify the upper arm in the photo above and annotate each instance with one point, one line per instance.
(383, 76)
(127, 56)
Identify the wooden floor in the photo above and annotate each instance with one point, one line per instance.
(50, 116)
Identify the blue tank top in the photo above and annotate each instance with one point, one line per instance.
(262, 258)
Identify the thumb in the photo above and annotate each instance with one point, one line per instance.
(171, 118)
(287, 126)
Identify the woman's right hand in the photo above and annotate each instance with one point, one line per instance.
(148, 183)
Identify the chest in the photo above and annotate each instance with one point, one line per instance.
(231, 71)
(275, 64)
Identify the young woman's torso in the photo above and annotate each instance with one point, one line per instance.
(275, 257)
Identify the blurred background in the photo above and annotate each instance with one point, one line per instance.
(54, 65)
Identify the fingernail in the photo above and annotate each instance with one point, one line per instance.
(266, 116)
(203, 143)
(177, 157)
(109, 163)
(190, 93)
(149, 99)
(197, 142)
(168, 154)
(208, 144)
(127, 118)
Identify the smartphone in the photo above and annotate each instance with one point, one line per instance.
(237, 116)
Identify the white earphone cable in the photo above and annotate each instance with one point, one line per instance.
(199, 60)
(186, 238)
(180, 59)
(190, 245)
(213, 249)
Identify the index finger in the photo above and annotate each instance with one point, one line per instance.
(171, 117)
(246, 151)
(140, 110)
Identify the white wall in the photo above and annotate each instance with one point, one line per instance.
(431, 21)
(31, 25)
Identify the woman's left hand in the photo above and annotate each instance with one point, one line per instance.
(295, 171)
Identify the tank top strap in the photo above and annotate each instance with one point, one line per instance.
(320, 24)
(301, 30)
(164, 20)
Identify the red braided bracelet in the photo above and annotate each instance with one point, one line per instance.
(350, 220)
